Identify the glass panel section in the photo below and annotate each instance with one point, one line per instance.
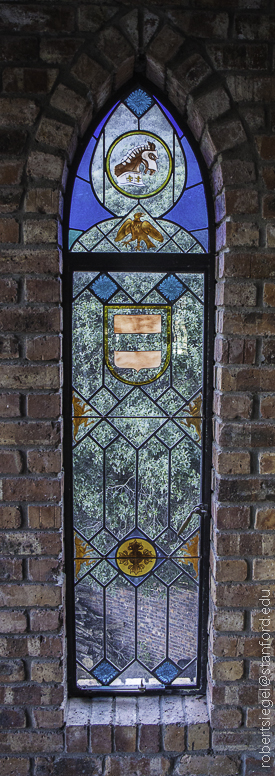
(139, 166)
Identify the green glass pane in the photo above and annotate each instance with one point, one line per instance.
(137, 284)
(185, 481)
(120, 487)
(88, 486)
(187, 337)
(81, 279)
(153, 487)
(87, 343)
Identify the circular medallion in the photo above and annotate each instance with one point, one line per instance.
(136, 557)
(139, 164)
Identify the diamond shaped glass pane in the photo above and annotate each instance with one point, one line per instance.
(171, 288)
(168, 572)
(139, 102)
(103, 287)
(166, 672)
(104, 541)
(103, 401)
(170, 434)
(104, 572)
(103, 434)
(105, 672)
(171, 402)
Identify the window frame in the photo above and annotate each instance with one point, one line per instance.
(138, 263)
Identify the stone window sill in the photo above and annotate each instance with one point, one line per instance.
(147, 725)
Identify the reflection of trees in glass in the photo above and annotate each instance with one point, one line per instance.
(87, 344)
(153, 487)
(187, 328)
(120, 487)
(185, 481)
(88, 486)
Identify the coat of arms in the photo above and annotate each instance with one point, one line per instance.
(137, 341)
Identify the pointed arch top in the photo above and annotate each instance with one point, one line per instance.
(140, 183)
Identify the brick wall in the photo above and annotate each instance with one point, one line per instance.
(60, 62)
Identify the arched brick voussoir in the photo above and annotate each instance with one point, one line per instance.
(119, 52)
(70, 102)
(97, 78)
(163, 48)
(17, 111)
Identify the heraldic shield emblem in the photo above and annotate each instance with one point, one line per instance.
(137, 342)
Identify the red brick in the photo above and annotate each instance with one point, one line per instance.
(44, 462)
(29, 18)
(97, 78)
(12, 718)
(12, 671)
(30, 319)
(10, 172)
(43, 570)
(30, 740)
(48, 718)
(10, 569)
(10, 517)
(8, 290)
(76, 738)
(164, 47)
(243, 596)
(14, 766)
(59, 49)
(265, 518)
(42, 231)
(13, 622)
(9, 230)
(44, 620)
(44, 405)
(30, 433)
(28, 79)
(31, 543)
(9, 347)
(43, 349)
(31, 260)
(201, 24)
(222, 719)
(10, 462)
(44, 201)
(29, 595)
(149, 738)
(44, 517)
(231, 517)
(42, 290)
(101, 739)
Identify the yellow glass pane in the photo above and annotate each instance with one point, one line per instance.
(136, 557)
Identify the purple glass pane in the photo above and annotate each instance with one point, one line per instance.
(84, 167)
(191, 211)
(85, 209)
(173, 122)
(202, 237)
(193, 170)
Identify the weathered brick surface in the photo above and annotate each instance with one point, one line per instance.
(60, 63)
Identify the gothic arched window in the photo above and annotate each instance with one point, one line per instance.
(138, 278)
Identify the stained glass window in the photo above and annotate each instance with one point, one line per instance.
(139, 379)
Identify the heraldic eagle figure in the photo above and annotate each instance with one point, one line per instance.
(139, 231)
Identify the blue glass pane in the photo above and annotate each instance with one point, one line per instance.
(138, 102)
(193, 170)
(105, 672)
(202, 237)
(84, 167)
(73, 235)
(168, 114)
(171, 288)
(85, 209)
(99, 126)
(191, 211)
(104, 287)
(167, 672)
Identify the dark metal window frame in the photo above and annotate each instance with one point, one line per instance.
(188, 263)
